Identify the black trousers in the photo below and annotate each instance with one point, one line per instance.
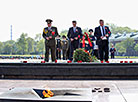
(104, 50)
(58, 54)
(112, 55)
(53, 54)
(95, 53)
(73, 46)
(64, 54)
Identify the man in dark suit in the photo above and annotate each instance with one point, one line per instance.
(49, 34)
(102, 34)
(74, 35)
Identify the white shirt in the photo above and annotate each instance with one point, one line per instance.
(74, 29)
(102, 27)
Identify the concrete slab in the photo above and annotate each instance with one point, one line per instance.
(60, 94)
(120, 91)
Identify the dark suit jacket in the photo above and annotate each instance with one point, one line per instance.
(47, 33)
(72, 34)
(98, 34)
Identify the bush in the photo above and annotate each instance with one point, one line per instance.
(81, 55)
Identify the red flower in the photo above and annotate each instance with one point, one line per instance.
(78, 36)
(126, 61)
(121, 61)
(85, 50)
(109, 32)
(55, 61)
(130, 61)
(79, 61)
(53, 33)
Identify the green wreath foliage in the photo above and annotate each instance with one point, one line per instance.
(81, 55)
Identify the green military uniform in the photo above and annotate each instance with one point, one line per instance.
(51, 43)
(65, 46)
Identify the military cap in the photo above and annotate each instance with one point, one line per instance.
(49, 21)
(74, 21)
(90, 30)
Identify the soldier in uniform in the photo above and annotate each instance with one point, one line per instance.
(49, 34)
(74, 35)
(64, 47)
(112, 51)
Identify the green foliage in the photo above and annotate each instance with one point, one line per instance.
(40, 47)
(38, 37)
(120, 48)
(22, 44)
(83, 56)
(136, 47)
(117, 29)
(30, 45)
(9, 47)
(125, 46)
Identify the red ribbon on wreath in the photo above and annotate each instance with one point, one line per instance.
(83, 41)
(88, 39)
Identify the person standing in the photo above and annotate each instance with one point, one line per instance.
(49, 34)
(112, 51)
(65, 46)
(93, 41)
(102, 34)
(74, 35)
(58, 47)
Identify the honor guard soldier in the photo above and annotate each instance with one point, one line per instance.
(65, 46)
(112, 51)
(74, 35)
(58, 47)
(49, 34)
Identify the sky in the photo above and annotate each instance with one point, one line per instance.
(28, 16)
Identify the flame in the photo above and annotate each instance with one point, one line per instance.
(48, 93)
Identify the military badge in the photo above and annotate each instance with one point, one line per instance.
(45, 31)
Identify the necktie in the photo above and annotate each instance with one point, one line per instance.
(103, 31)
(74, 29)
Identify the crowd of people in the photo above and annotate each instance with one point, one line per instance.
(96, 42)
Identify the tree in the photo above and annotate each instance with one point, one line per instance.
(22, 44)
(38, 37)
(1, 47)
(9, 47)
(30, 44)
(136, 47)
(129, 45)
(126, 46)
(117, 29)
(120, 48)
(40, 46)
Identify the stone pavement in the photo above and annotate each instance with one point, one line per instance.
(120, 91)
(59, 61)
